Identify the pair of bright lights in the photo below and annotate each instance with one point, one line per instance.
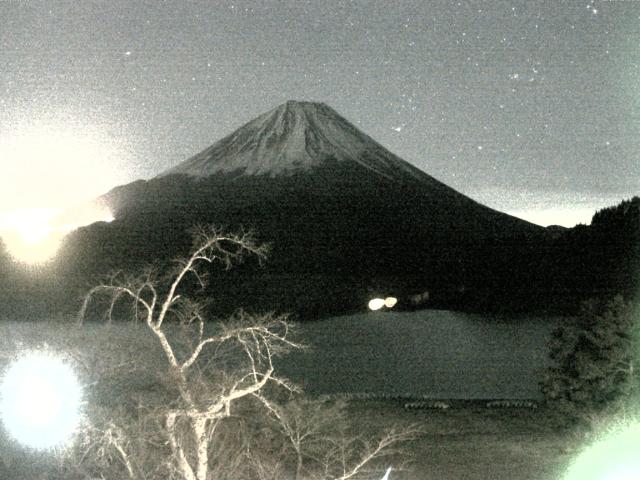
(378, 303)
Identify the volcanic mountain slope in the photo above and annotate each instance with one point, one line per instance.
(294, 137)
(308, 146)
(345, 216)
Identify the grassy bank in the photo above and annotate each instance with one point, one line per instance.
(475, 443)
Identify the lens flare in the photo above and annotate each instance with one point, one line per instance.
(616, 457)
(40, 400)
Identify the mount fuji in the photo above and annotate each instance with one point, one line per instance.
(294, 137)
(346, 218)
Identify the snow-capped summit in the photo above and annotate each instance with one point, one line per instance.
(292, 137)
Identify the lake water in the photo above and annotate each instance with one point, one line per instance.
(431, 353)
(436, 354)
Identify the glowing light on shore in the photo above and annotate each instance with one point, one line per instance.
(376, 303)
(616, 457)
(34, 235)
(40, 400)
(51, 163)
(29, 236)
(390, 302)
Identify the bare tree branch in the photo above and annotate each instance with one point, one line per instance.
(212, 368)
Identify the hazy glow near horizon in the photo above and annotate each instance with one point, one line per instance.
(568, 217)
(547, 208)
(34, 235)
(29, 236)
(46, 170)
(55, 166)
(40, 400)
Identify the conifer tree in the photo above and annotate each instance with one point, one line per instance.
(595, 362)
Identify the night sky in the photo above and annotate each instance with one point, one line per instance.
(529, 107)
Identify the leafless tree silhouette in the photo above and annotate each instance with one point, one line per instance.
(212, 373)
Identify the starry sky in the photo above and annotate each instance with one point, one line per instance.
(530, 107)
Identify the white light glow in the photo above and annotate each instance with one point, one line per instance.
(34, 235)
(565, 208)
(56, 164)
(376, 303)
(82, 215)
(48, 166)
(390, 302)
(31, 224)
(29, 236)
(568, 217)
(40, 400)
(616, 457)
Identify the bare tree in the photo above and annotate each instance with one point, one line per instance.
(189, 423)
(214, 370)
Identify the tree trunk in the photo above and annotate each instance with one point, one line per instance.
(299, 463)
(200, 432)
(181, 460)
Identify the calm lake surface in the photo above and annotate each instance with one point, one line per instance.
(434, 353)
